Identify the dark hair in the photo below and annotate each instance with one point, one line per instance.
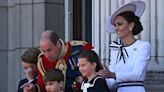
(54, 75)
(54, 37)
(92, 57)
(131, 17)
(30, 56)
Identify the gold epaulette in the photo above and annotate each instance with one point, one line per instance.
(77, 43)
(40, 65)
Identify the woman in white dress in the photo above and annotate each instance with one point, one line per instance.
(129, 56)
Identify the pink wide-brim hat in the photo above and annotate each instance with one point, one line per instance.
(137, 7)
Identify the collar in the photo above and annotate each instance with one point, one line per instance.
(122, 53)
(64, 48)
(85, 86)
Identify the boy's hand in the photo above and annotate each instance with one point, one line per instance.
(28, 87)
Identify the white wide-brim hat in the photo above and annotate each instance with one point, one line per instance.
(137, 7)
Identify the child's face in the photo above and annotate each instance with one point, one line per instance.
(86, 68)
(53, 86)
(30, 70)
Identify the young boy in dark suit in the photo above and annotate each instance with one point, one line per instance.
(29, 62)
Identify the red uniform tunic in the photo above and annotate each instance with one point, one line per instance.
(69, 50)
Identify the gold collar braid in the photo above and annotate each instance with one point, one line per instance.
(64, 48)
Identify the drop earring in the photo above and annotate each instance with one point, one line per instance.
(130, 29)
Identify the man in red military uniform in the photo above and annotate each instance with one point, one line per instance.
(58, 54)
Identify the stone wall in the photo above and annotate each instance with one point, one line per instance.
(21, 22)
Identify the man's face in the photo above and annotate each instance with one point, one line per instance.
(50, 50)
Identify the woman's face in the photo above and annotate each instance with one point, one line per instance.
(123, 28)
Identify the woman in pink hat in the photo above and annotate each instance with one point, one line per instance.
(129, 56)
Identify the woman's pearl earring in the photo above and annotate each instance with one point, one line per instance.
(130, 29)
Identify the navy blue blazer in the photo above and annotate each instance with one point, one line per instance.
(23, 81)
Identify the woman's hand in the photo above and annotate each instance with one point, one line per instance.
(106, 74)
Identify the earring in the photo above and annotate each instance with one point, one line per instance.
(130, 29)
